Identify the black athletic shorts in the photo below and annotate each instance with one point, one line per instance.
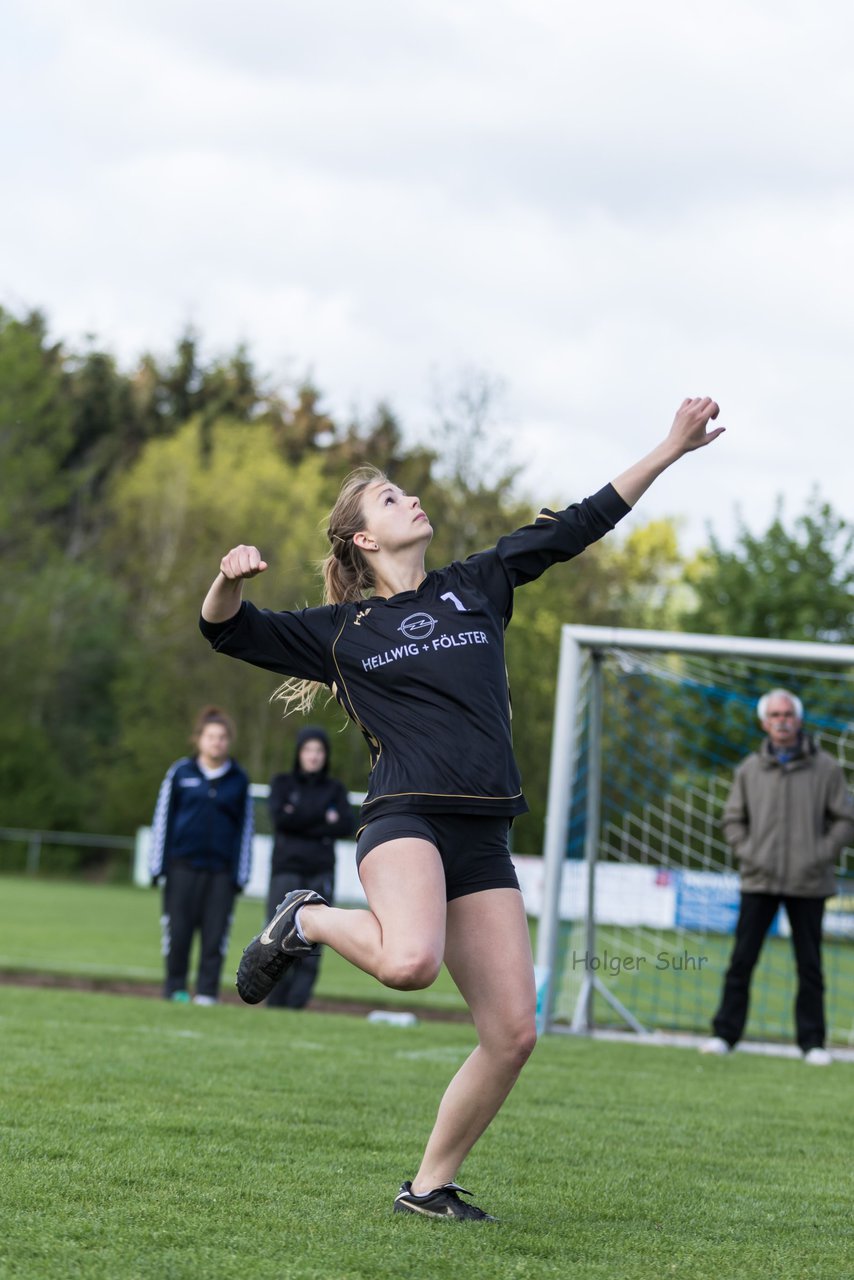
(473, 849)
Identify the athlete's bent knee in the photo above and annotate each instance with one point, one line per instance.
(521, 1043)
(412, 972)
(524, 1043)
(514, 1045)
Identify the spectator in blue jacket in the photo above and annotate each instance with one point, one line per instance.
(201, 846)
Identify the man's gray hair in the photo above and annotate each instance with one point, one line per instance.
(762, 704)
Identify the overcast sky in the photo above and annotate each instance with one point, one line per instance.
(608, 206)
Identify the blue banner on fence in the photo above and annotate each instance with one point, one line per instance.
(708, 902)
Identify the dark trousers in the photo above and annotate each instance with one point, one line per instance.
(754, 920)
(196, 900)
(295, 988)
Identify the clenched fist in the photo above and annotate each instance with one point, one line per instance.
(242, 562)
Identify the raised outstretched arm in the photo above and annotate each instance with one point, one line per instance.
(689, 432)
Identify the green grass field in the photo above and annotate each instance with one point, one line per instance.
(112, 932)
(674, 981)
(145, 1139)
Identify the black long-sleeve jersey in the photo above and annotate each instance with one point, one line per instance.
(422, 673)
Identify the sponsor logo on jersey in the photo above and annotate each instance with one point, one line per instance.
(414, 649)
(418, 626)
(391, 655)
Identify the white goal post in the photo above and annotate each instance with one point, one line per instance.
(578, 712)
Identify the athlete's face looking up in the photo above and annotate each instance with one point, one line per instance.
(393, 520)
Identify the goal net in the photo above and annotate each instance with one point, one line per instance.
(641, 890)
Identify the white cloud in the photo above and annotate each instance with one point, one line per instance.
(610, 206)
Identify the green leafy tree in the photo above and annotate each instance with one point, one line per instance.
(173, 521)
(119, 492)
(35, 437)
(472, 492)
(51, 659)
(792, 582)
(301, 427)
(59, 647)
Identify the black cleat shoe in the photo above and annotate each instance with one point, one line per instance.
(444, 1202)
(275, 948)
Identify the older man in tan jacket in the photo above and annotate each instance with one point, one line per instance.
(787, 817)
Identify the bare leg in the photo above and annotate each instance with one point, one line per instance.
(401, 938)
(488, 953)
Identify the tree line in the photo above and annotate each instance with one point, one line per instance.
(121, 488)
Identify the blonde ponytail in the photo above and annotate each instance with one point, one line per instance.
(347, 575)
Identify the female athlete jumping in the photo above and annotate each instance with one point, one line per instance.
(416, 660)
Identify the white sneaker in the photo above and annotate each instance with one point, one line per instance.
(205, 1000)
(818, 1057)
(716, 1046)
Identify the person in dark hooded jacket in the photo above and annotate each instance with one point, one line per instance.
(309, 811)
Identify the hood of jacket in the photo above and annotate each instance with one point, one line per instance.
(312, 733)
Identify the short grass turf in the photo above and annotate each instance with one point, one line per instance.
(673, 981)
(112, 933)
(145, 1139)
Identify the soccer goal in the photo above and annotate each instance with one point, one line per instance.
(640, 888)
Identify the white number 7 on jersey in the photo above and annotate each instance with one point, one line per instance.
(449, 595)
